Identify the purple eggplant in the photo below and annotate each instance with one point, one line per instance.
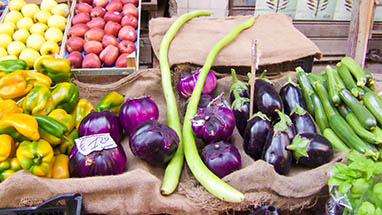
(311, 150)
(303, 121)
(265, 210)
(275, 150)
(255, 133)
(287, 124)
(266, 98)
(238, 87)
(204, 100)
(240, 109)
(291, 95)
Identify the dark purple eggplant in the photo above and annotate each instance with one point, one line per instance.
(291, 95)
(275, 150)
(311, 150)
(286, 124)
(204, 100)
(255, 135)
(266, 98)
(302, 120)
(241, 88)
(265, 210)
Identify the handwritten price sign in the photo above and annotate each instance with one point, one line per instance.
(96, 142)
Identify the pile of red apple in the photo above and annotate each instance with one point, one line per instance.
(103, 33)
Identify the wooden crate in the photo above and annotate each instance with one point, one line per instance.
(104, 74)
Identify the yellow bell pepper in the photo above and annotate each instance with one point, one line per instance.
(24, 124)
(15, 85)
(40, 79)
(7, 146)
(36, 156)
(15, 164)
(5, 170)
(63, 117)
(81, 110)
(8, 106)
(60, 167)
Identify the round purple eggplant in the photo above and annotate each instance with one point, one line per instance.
(255, 135)
(291, 95)
(265, 210)
(204, 100)
(311, 149)
(275, 150)
(303, 121)
(286, 124)
(221, 158)
(267, 99)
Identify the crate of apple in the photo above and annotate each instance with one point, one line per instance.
(103, 33)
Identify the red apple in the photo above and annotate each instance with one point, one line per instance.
(90, 2)
(100, 3)
(109, 55)
(134, 2)
(78, 30)
(97, 12)
(94, 34)
(129, 20)
(75, 44)
(91, 61)
(83, 8)
(114, 5)
(93, 47)
(75, 59)
(122, 61)
(81, 18)
(97, 22)
(113, 16)
(109, 40)
(127, 33)
(112, 28)
(130, 9)
(126, 46)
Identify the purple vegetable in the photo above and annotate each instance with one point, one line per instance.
(221, 158)
(238, 87)
(136, 110)
(105, 162)
(154, 142)
(214, 123)
(101, 122)
(187, 83)
(291, 96)
(254, 137)
(267, 99)
(287, 124)
(204, 100)
(302, 120)
(266, 210)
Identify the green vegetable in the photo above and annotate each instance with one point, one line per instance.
(336, 142)
(374, 105)
(174, 167)
(361, 131)
(369, 78)
(367, 120)
(343, 109)
(366, 208)
(356, 70)
(306, 89)
(347, 78)
(333, 86)
(210, 181)
(319, 113)
(8, 66)
(324, 97)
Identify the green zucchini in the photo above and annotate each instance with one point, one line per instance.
(306, 88)
(374, 104)
(366, 118)
(369, 78)
(347, 78)
(319, 113)
(345, 132)
(324, 98)
(356, 70)
(361, 131)
(361, 93)
(343, 109)
(367, 89)
(333, 87)
(336, 142)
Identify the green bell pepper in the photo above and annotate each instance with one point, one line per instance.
(50, 129)
(111, 101)
(8, 66)
(59, 70)
(65, 96)
(68, 143)
(38, 101)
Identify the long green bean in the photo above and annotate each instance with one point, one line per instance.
(175, 166)
(210, 181)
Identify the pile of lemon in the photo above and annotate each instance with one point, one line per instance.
(30, 30)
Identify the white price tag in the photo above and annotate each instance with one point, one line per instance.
(96, 142)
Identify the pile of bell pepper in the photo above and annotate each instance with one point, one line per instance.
(40, 111)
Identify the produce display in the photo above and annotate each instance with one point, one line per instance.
(30, 30)
(103, 33)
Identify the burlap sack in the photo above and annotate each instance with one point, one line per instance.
(137, 190)
(279, 41)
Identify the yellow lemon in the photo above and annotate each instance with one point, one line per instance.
(29, 10)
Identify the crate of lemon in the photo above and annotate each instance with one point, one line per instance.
(33, 28)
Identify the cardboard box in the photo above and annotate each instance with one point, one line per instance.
(102, 75)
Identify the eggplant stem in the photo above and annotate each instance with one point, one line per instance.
(234, 76)
(175, 166)
(208, 179)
